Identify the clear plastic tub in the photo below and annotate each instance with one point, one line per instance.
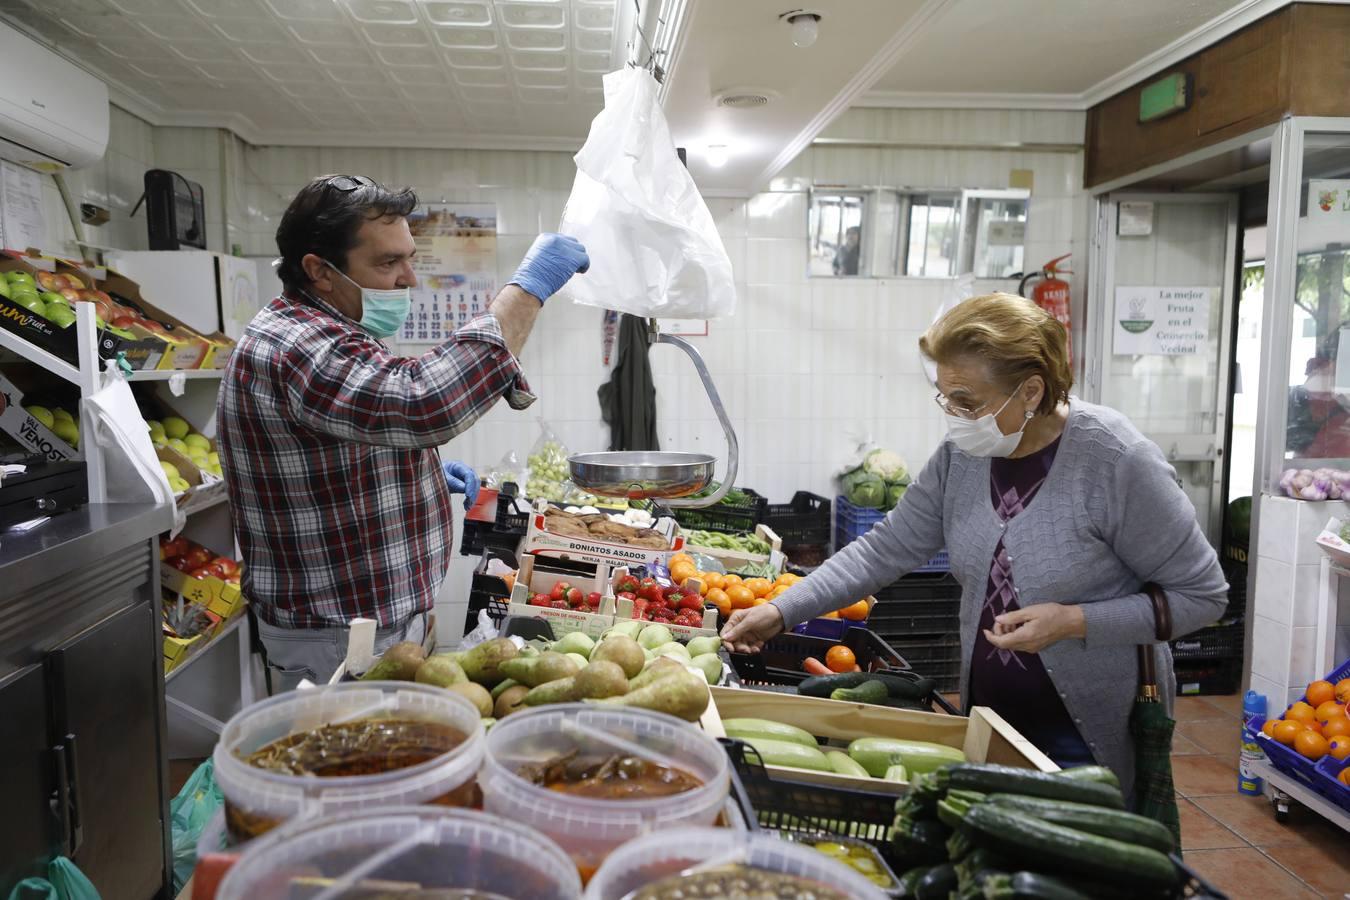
(257, 799)
(589, 828)
(386, 851)
(655, 856)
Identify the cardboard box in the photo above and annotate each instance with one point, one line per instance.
(217, 596)
(28, 431)
(984, 736)
(177, 650)
(536, 576)
(180, 347)
(540, 541)
(734, 560)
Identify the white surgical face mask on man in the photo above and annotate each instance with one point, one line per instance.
(982, 436)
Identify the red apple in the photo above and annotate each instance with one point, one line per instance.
(70, 294)
(201, 572)
(176, 547)
(198, 557)
(101, 295)
(73, 281)
(122, 321)
(232, 579)
(227, 565)
(49, 281)
(104, 309)
(180, 563)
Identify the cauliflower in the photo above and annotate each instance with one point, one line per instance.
(887, 465)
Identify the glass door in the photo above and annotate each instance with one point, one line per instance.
(1160, 332)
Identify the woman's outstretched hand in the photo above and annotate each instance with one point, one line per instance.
(748, 629)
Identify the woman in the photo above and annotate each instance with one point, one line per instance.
(1055, 514)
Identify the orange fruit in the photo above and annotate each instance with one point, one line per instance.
(680, 558)
(1344, 777)
(1343, 691)
(682, 570)
(759, 586)
(1329, 710)
(1337, 728)
(718, 598)
(1320, 692)
(729, 580)
(760, 601)
(840, 659)
(789, 579)
(1311, 744)
(777, 592)
(741, 596)
(1314, 725)
(1268, 729)
(830, 615)
(1339, 747)
(714, 580)
(1286, 731)
(855, 612)
(1301, 712)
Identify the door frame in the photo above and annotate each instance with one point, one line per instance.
(1097, 334)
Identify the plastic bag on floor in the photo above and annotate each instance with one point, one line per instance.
(653, 244)
(189, 813)
(64, 881)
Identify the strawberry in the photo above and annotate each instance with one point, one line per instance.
(540, 600)
(574, 597)
(593, 599)
(650, 590)
(560, 590)
(559, 604)
(627, 584)
(691, 602)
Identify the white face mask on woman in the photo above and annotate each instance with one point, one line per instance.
(982, 436)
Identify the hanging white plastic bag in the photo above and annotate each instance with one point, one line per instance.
(654, 247)
(131, 471)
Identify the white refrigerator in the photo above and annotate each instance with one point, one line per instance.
(206, 290)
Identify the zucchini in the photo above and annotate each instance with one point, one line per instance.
(787, 753)
(876, 755)
(1040, 843)
(844, 765)
(867, 692)
(1007, 780)
(1111, 823)
(921, 843)
(823, 685)
(896, 773)
(1091, 773)
(1030, 886)
(909, 881)
(936, 883)
(765, 728)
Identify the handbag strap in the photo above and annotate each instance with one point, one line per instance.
(1162, 618)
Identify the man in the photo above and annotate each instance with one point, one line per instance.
(846, 257)
(328, 440)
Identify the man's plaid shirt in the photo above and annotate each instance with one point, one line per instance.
(328, 444)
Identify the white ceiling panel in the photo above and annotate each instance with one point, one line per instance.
(183, 59)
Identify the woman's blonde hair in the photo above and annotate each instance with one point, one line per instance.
(1014, 337)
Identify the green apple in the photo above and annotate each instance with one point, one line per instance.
(29, 300)
(60, 315)
(175, 427)
(17, 277)
(214, 469)
(170, 470)
(213, 458)
(178, 485)
(42, 414)
(66, 431)
(61, 414)
(4, 288)
(178, 445)
(197, 440)
(53, 297)
(155, 425)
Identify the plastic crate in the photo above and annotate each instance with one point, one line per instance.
(509, 519)
(925, 603)
(1319, 776)
(1207, 676)
(806, 556)
(780, 660)
(803, 520)
(722, 518)
(935, 656)
(797, 807)
(1222, 641)
(852, 522)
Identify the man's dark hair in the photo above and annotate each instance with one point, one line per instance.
(325, 216)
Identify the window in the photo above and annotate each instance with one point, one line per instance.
(837, 224)
(930, 235)
(995, 230)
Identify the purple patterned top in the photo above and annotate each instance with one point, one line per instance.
(1015, 684)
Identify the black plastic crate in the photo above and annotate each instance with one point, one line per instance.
(1223, 641)
(927, 603)
(803, 520)
(722, 518)
(780, 660)
(935, 656)
(509, 520)
(1207, 677)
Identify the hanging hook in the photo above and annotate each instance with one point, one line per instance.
(653, 68)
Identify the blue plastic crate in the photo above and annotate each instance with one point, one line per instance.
(852, 522)
(1318, 776)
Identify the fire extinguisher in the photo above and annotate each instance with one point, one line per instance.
(1051, 294)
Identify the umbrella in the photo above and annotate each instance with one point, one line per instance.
(1154, 794)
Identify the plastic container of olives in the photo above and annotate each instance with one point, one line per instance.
(858, 855)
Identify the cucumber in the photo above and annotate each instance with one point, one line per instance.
(844, 765)
(897, 773)
(1111, 823)
(867, 692)
(936, 883)
(823, 685)
(1039, 843)
(876, 755)
(1091, 773)
(1007, 780)
(1030, 886)
(788, 753)
(765, 728)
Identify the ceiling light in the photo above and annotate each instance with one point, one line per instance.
(805, 25)
(717, 155)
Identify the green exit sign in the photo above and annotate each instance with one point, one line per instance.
(1165, 96)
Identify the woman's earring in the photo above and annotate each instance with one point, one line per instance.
(1030, 414)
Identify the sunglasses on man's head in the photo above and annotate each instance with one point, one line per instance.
(348, 183)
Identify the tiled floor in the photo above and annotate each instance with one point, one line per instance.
(1233, 841)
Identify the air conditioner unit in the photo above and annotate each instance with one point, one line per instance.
(53, 114)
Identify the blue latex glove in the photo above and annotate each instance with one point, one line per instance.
(462, 480)
(551, 261)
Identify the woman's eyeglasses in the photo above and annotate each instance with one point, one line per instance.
(951, 409)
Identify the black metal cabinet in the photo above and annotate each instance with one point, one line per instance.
(26, 776)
